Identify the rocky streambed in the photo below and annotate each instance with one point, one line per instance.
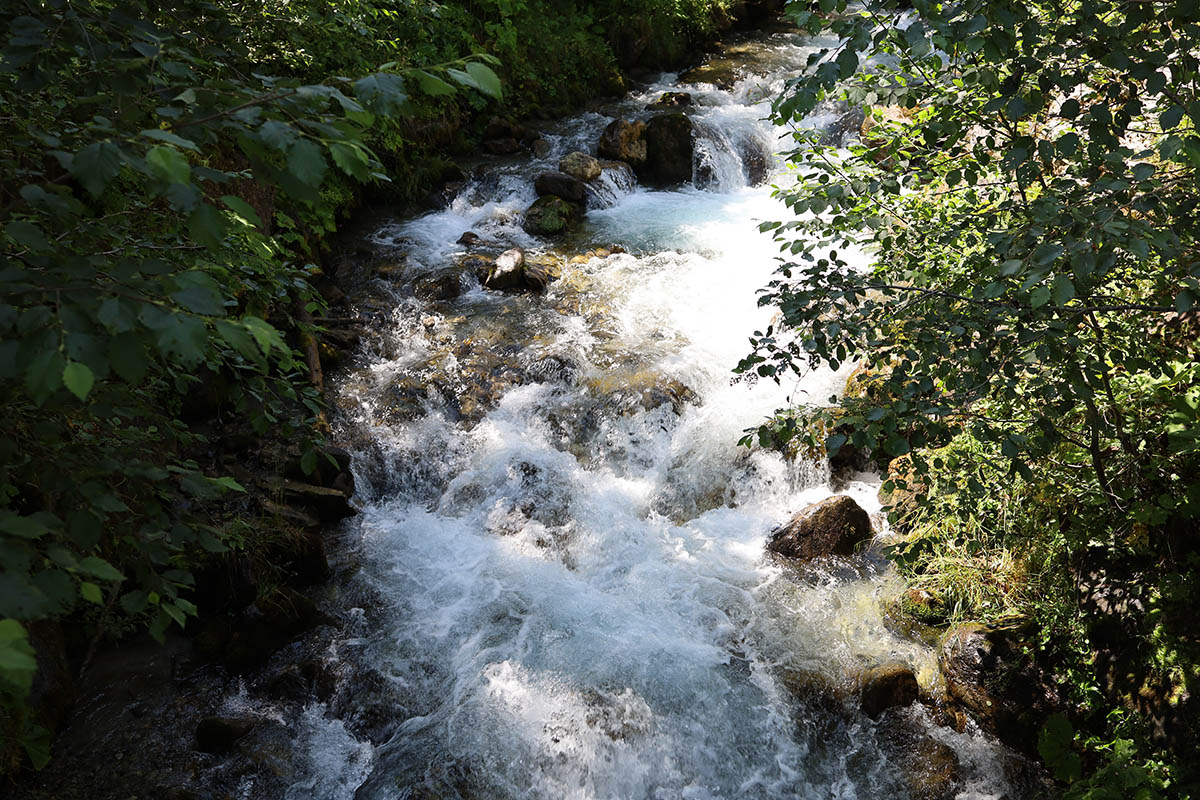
(565, 578)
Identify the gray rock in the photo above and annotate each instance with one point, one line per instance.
(561, 185)
(670, 149)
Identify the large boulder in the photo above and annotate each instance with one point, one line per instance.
(551, 215)
(580, 165)
(560, 184)
(624, 141)
(833, 526)
(670, 148)
(988, 674)
(887, 686)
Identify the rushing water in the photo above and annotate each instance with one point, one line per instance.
(562, 584)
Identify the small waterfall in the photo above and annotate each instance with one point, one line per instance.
(616, 181)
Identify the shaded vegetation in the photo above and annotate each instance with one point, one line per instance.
(1025, 188)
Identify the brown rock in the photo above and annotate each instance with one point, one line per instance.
(580, 165)
(888, 686)
(986, 672)
(833, 526)
(624, 141)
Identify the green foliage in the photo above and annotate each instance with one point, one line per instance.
(138, 260)
(1024, 192)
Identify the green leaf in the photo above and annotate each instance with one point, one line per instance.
(96, 165)
(91, 592)
(433, 85)
(1063, 290)
(44, 375)
(1171, 117)
(352, 160)
(78, 378)
(27, 235)
(306, 163)
(23, 527)
(18, 663)
(486, 80)
(168, 164)
(1039, 297)
(99, 568)
(226, 482)
(199, 293)
(242, 209)
(127, 355)
(381, 92)
(166, 136)
(207, 227)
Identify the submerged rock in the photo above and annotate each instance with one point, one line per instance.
(888, 686)
(550, 216)
(624, 141)
(670, 150)
(580, 165)
(444, 285)
(568, 187)
(833, 526)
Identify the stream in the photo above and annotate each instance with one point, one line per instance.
(558, 586)
(560, 560)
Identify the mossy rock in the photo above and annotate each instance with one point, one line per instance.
(551, 216)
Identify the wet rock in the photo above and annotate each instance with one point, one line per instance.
(444, 195)
(220, 734)
(507, 271)
(754, 160)
(670, 150)
(670, 100)
(568, 187)
(470, 238)
(443, 285)
(1004, 690)
(887, 686)
(500, 128)
(624, 141)
(541, 147)
(929, 768)
(327, 503)
(550, 216)
(580, 165)
(502, 147)
(289, 683)
(833, 526)
(914, 615)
